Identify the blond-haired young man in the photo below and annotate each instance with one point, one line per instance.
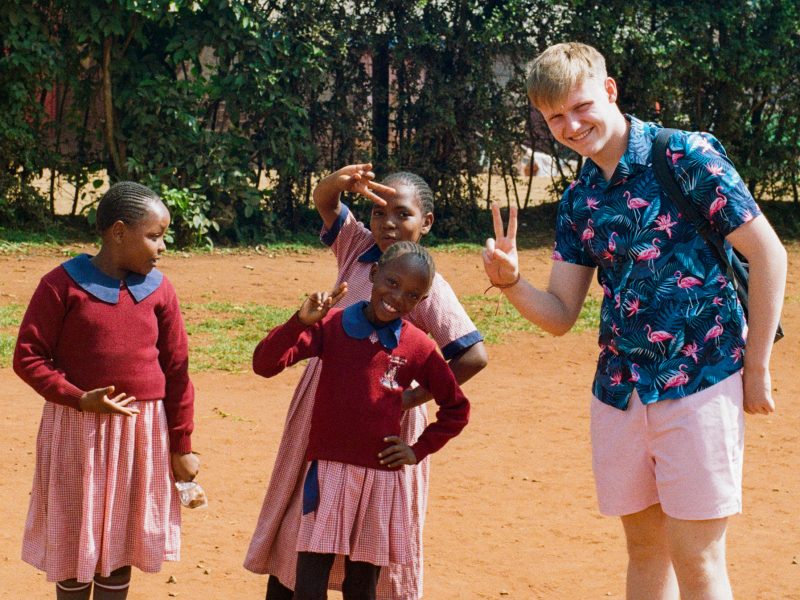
(672, 380)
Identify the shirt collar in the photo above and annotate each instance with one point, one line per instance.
(103, 287)
(635, 159)
(372, 255)
(356, 325)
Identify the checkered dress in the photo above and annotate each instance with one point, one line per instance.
(362, 513)
(273, 548)
(102, 494)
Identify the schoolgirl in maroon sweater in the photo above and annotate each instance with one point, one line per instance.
(355, 501)
(103, 342)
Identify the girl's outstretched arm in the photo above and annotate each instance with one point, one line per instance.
(298, 338)
(353, 178)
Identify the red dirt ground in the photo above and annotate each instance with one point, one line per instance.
(512, 512)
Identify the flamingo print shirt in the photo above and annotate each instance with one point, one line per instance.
(670, 322)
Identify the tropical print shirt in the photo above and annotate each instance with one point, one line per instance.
(670, 321)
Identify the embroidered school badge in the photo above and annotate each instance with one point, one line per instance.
(388, 379)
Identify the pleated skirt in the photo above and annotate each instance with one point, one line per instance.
(103, 495)
(362, 513)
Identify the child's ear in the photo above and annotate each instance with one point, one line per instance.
(117, 231)
(427, 223)
(373, 270)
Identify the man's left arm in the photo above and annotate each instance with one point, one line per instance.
(759, 243)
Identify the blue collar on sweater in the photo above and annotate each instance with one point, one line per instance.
(356, 325)
(84, 273)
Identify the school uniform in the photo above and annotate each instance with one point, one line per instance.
(352, 504)
(273, 546)
(102, 494)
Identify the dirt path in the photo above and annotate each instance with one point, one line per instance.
(512, 512)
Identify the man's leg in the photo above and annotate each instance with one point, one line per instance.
(698, 555)
(650, 572)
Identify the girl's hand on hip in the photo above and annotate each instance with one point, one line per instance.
(99, 401)
(317, 305)
(500, 258)
(184, 466)
(398, 454)
(359, 179)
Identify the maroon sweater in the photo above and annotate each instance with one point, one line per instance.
(357, 404)
(71, 342)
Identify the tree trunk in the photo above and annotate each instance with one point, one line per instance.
(380, 101)
(108, 106)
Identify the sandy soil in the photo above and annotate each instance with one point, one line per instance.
(512, 512)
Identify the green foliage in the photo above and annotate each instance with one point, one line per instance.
(239, 106)
(189, 212)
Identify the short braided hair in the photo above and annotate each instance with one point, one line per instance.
(125, 201)
(413, 250)
(423, 190)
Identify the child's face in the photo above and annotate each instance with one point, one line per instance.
(583, 120)
(143, 242)
(397, 287)
(401, 219)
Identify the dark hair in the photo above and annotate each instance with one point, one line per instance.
(413, 250)
(422, 189)
(125, 201)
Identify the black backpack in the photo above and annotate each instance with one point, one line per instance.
(736, 268)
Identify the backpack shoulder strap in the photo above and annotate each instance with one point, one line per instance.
(667, 180)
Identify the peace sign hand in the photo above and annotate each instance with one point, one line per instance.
(500, 258)
(317, 305)
(359, 179)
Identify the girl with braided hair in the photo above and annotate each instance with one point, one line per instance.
(402, 211)
(103, 342)
(356, 500)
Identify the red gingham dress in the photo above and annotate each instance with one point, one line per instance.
(362, 513)
(273, 548)
(102, 494)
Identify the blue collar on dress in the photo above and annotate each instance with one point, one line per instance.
(84, 273)
(372, 255)
(356, 325)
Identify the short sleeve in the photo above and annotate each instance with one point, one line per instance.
(568, 246)
(708, 177)
(443, 317)
(347, 238)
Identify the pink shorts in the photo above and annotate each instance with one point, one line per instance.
(684, 454)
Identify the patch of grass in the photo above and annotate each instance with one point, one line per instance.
(589, 319)
(10, 317)
(7, 343)
(494, 316)
(56, 234)
(223, 335)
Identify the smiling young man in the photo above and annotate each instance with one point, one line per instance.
(673, 380)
